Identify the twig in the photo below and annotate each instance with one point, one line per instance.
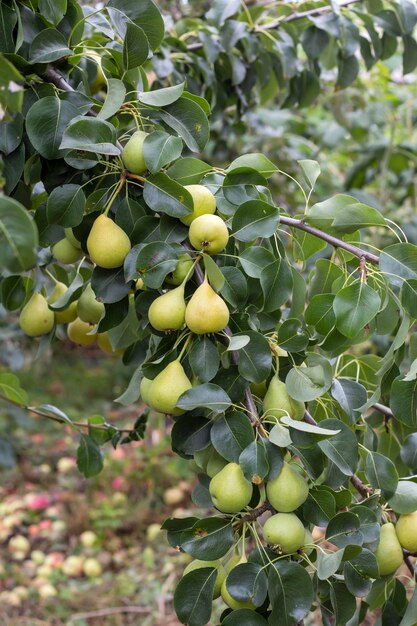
(163, 594)
(410, 566)
(255, 513)
(385, 410)
(138, 610)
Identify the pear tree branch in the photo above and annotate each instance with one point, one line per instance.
(410, 565)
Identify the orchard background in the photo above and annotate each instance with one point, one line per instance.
(301, 119)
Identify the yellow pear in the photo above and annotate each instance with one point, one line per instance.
(406, 529)
(36, 318)
(144, 388)
(231, 602)
(167, 387)
(198, 564)
(285, 531)
(287, 491)
(77, 332)
(107, 243)
(181, 270)
(89, 309)
(67, 315)
(168, 311)
(208, 233)
(229, 489)
(133, 153)
(278, 402)
(206, 312)
(389, 554)
(104, 343)
(65, 252)
(203, 200)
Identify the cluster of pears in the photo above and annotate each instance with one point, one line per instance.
(393, 539)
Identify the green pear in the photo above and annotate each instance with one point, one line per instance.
(259, 389)
(133, 155)
(107, 243)
(168, 311)
(278, 402)
(229, 489)
(36, 318)
(77, 332)
(182, 268)
(89, 309)
(104, 343)
(203, 200)
(167, 387)
(285, 531)
(389, 554)
(406, 529)
(208, 233)
(65, 252)
(307, 548)
(206, 312)
(287, 491)
(221, 574)
(231, 602)
(70, 313)
(69, 234)
(144, 388)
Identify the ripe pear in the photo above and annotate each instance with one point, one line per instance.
(389, 554)
(221, 574)
(406, 529)
(144, 388)
(107, 243)
(168, 311)
(287, 491)
(231, 602)
(104, 343)
(69, 234)
(77, 332)
(229, 489)
(89, 309)
(65, 252)
(203, 200)
(167, 387)
(206, 312)
(208, 233)
(36, 318)
(278, 402)
(181, 270)
(67, 315)
(133, 154)
(285, 531)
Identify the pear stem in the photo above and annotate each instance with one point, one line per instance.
(255, 513)
(185, 346)
(115, 193)
(51, 276)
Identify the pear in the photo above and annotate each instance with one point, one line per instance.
(229, 489)
(181, 270)
(203, 200)
(389, 554)
(167, 387)
(69, 234)
(133, 154)
(104, 343)
(65, 252)
(215, 464)
(208, 233)
(206, 312)
(231, 602)
(36, 318)
(406, 529)
(144, 388)
(285, 531)
(278, 402)
(168, 311)
(221, 574)
(67, 315)
(287, 491)
(89, 309)
(259, 389)
(107, 243)
(77, 332)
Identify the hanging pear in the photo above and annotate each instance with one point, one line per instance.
(389, 553)
(278, 402)
(107, 243)
(36, 318)
(230, 490)
(286, 531)
(206, 312)
(78, 332)
(168, 311)
(203, 203)
(287, 491)
(406, 530)
(208, 233)
(65, 252)
(133, 154)
(145, 385)
(89, 309)
(67, 315)
(167, 387)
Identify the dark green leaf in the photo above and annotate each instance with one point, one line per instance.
(46, 121)
(253, 219)
(189, 120)
(354, 307)
(161, 97)
(188, 171)
(193, 596)
(207, 395)
(66, 205)
(18, 236)
(204, 358)
(160, 149)
(254, 462)
(116, 92)
(89, 457)
(255, 359)
(135, 47)
(320, 506)
(290, 591)
(154, 261)
(255, 161)
(276, 282)
(247, 582)
(189, 434)
(405, 498)
(231, 434)
(90, 134)
(342, 449)
(53, 10)
(381, 473)
(403, 401)
(164, 195)
(208, 539)
(48, 45)
(144, 14)
(344, 530)
(308, 383)
(399, 262)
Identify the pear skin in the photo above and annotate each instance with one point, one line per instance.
(104, 343)
(203, 200)
(168, 311)
(208, 233)
(278, 402)
(229, 489)
(133, 155)
(167, 387)
(206, 312)
(65, 252)
(144, 388)
(406, 529)
(285, 531)
(181, 270)
(77, 332)
(89, 309)
(389, 554)
(107, 243)
(67, 315)
(221, 574)
(287, 491)
(36, 318)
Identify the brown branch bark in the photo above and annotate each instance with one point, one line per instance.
(255, 513)
(384, 410)
(410, 566)
(137, 610)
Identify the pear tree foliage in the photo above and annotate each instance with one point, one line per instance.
(279, 341)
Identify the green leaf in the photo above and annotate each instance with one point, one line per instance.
(350, 395)
(234, 290)
(204, 358)
(207, 395)
(160, 149)
(399, 262)
(18, 236)
(409, 55)
(290, 591)
(255, 259)
(214, 273)
(53, 10)
(328, 563)
(354, 307)
(11, 89)
(410, 615)
(254, 462)
(344, 530)
(188, 171)
(90, 134)
(277, 282)
(311, 382)
(144, 14)
(255, 359)
(48, 45)
(343, 602)
(66, 205)
(311, 170)
(154, 261)
(164, 195)
(409, 451)
(255, 161)
(231, 434)
(71, 294)
(403, 401)
(244, 616)
(10, 387)
(280, 436)
(247, 582)
(359, 571)
(320, 314)
(189, 120)
(320, 506)
(253, 219)
(405, 498)
(116, 92)
(342, 449)
(343, 213)
(135, 47)
(161, 97)
(208, 539)
(89, 457)
(193, 596)
(46, 121)
(381, 473)
(189, 434)
(308, 428)
(109, 285)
